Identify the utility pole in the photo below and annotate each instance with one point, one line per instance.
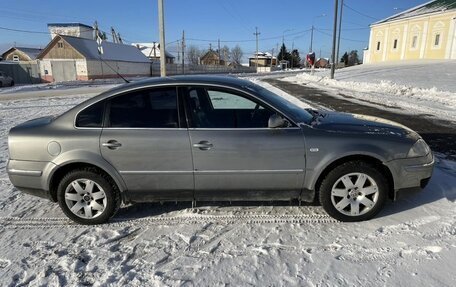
(272, 57)
(161, 24)
(333, 66)
(219, 50)
(340, 31)
(183, 51)
(256, 56)
(292, 48)
(311, 38)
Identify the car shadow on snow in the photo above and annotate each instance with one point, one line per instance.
(155, 209)
(441, 186)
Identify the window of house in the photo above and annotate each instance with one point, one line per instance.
(414, 42)
(60, 45)
(151, 108)
(378, 46)
(437, 40)
(16, 58)
(395, 44)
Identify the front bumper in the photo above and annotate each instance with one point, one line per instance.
(30, 176)
(411, 172)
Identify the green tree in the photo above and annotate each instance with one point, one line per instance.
(296, 59)
(284, 54)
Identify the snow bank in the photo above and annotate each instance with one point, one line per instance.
(410, 99)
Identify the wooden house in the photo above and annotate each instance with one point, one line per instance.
(68, 58)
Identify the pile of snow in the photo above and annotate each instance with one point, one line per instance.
(410, 98)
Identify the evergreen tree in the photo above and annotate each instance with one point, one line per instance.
(284, 54)
(296, 58)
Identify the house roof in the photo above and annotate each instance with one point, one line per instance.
(210, 53)
(423, 9)
(148, 50)
(262, 55)
(32, 53)
(88, 48)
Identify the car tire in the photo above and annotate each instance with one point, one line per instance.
(353, 191)
(88, 197)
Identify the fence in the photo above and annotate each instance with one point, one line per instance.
(22, 73)
(176, 69)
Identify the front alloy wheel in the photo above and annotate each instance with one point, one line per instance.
(354, 194)
(353, 191)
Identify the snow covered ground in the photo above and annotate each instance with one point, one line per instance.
(427, 88)
(411, 243)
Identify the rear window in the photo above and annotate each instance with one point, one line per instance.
(91, 117)
(149, 108)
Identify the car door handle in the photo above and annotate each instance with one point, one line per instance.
(112, 144)
(203, 145)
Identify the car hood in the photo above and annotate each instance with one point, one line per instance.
(355, 123)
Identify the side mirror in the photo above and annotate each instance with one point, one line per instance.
(276, 121)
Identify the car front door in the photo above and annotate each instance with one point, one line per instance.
(235, 155)
(146, 140)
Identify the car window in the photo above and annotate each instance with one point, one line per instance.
(218, 108)
(91, 117)
(223, 100)
(150, 108)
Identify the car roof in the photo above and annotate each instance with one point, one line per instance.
(224, 80)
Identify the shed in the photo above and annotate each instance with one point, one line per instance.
(68, 58)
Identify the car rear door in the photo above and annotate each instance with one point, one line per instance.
(235, 155)
(146, 140)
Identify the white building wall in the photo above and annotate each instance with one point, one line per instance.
(76, 31)
(452, 40)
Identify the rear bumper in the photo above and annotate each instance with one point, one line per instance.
(30, 176)
(411, 172)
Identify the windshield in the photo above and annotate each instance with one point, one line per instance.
(298, 113)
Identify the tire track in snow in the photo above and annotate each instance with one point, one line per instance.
(53, 222)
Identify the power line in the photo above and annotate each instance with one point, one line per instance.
(351, 40)
(249, 40)
(360, 13)
(23, 31)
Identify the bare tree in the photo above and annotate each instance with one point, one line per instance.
(193, 54)
(236, 54)
(225, 53)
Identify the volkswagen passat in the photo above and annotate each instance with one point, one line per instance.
(200, 138)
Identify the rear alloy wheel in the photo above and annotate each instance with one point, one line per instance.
(353, 191)
(87, 197)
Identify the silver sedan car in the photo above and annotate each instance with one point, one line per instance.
(200, 138)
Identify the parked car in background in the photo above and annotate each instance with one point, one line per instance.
(5, 80)
(200, 138)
